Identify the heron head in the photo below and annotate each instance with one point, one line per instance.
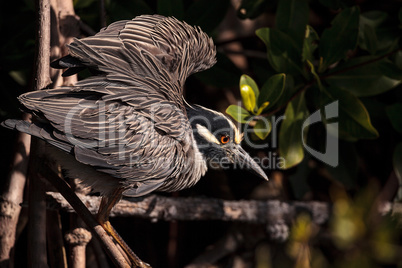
(218, 139)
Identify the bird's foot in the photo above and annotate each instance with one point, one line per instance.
(133, 258)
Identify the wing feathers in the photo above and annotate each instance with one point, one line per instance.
(168, 40)
(130, 120)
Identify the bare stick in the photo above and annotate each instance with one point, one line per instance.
(102, 13)
(42, 57)
(88, 218)
(55, 243)
(271, 212)
(78, 240)
(156, 207)
(96, 249)
(12, 196)
(37, 256)
(232, 241)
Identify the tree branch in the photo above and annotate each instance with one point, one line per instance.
(37, 255)
(12, 196)
(155, 207)
(76, 204)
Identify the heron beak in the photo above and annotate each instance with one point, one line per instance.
(244, 160)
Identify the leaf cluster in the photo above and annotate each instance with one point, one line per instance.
(355, 58)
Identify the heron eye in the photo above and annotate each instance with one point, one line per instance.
(225, 139)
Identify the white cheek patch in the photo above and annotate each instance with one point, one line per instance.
(206, 134)
(238, 137)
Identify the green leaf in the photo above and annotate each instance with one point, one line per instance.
(292, 18)
(394, 113)
(173, 8)
(310, 44)
(290, 133)
(316, 76)
(262, 107)
(340, 38)
(272, 89)
(262, 128)
(375, 108)
(290, 89)
(369, 24)
(397, 161)
(366, 79)
(354, 120)
(248, 97)
(19, 77)
(207, 14)
(376, 35)
(283, 53)
(238, 113)
(368, 38)
(247, 80)
(373, 18)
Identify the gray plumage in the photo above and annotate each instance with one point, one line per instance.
(128, 126)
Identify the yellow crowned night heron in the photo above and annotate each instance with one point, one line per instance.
(127, 129)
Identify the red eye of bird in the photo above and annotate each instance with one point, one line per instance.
(225, 139)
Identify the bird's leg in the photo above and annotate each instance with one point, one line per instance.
(106, 205)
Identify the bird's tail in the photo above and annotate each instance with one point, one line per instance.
(40, 131)
(20, 125)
